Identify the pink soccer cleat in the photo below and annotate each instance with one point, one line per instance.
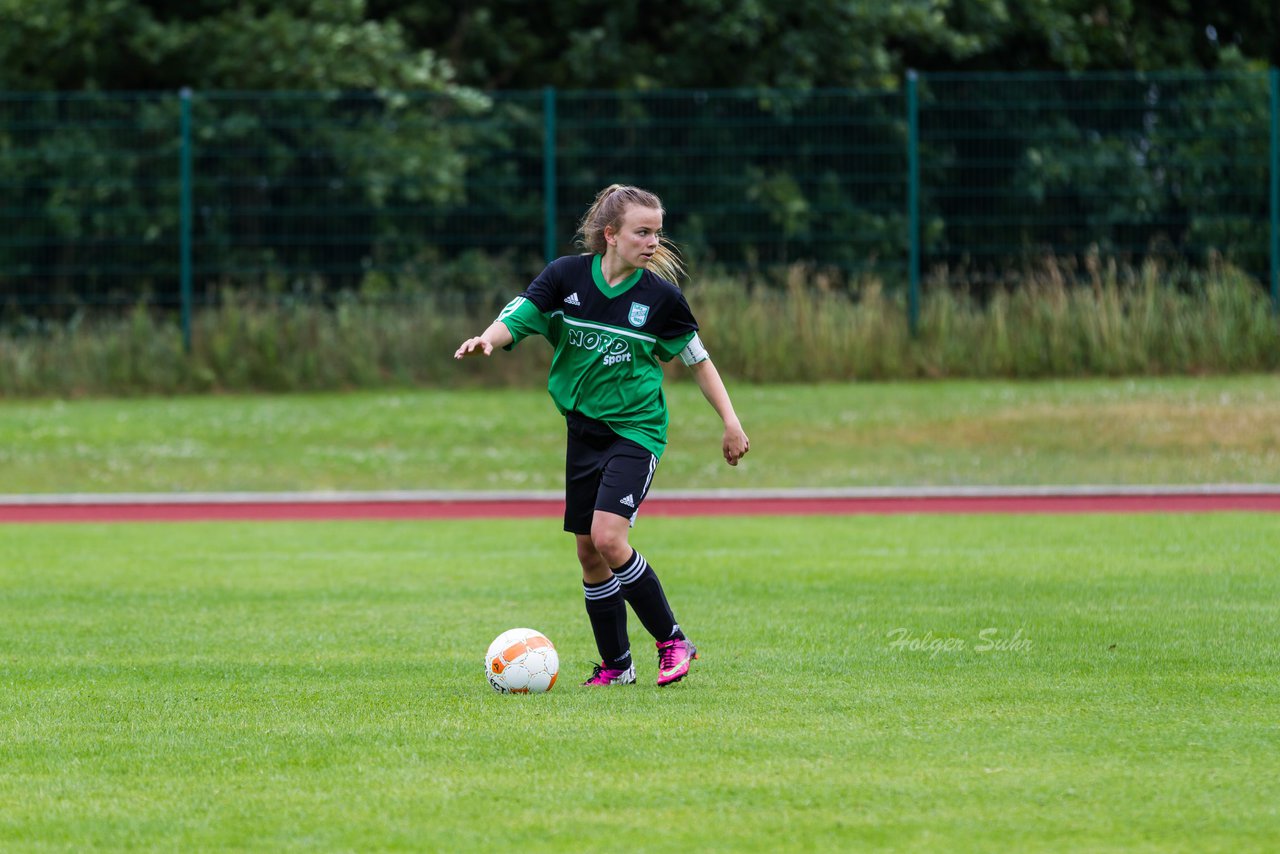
(601, 675)
(674, 658)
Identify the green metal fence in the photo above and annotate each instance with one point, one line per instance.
(165, 198)
(1129, 165)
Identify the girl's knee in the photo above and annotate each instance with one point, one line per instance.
(587, 553)
(611, 543)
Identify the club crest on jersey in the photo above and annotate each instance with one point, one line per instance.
(638, 315)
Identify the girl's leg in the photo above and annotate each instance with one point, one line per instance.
(606, 608)
(640, 585)
(643, 591)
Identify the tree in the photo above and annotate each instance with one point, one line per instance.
(1089, 35)
(627, 44)
(134, 45)
(94, 179)
(577, 44)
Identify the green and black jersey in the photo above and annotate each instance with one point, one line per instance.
(608, 342)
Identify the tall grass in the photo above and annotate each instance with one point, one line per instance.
(249, 344)
(1141, 322)
(1111, 325)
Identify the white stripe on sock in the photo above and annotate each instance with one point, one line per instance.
(604, 591)
(635, 568)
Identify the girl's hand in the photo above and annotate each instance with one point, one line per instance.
(497, 335)
(736, 443)
(473, 345)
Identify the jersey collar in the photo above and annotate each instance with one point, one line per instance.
(597, 273)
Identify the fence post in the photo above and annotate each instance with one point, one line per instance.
(913, 204)
(549, 173)
(184, 223)
(1275, 190)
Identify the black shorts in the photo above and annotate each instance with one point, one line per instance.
(602, 471)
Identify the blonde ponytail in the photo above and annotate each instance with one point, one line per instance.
(608, 209)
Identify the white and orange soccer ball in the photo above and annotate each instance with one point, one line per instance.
(521, 661)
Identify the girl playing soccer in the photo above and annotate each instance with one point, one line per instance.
(611, 315)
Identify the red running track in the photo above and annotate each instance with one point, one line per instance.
(183, 511)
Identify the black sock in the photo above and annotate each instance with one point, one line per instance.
(643, 591)
(607, 611)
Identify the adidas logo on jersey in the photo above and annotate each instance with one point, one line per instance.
(572, 299)
(628, 501)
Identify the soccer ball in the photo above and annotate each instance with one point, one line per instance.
(521, 661)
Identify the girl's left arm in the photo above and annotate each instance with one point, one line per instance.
(736, 443)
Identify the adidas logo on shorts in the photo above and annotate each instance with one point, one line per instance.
(628, 501)
(572, 299)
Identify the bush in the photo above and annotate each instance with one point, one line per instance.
(1119, 322)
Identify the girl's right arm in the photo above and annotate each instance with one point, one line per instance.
(735, 444)
(497, 335)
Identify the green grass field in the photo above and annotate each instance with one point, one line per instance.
(1140, 431)
(276, 687)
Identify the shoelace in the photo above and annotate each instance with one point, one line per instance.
(596, 670)
(669, 655)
